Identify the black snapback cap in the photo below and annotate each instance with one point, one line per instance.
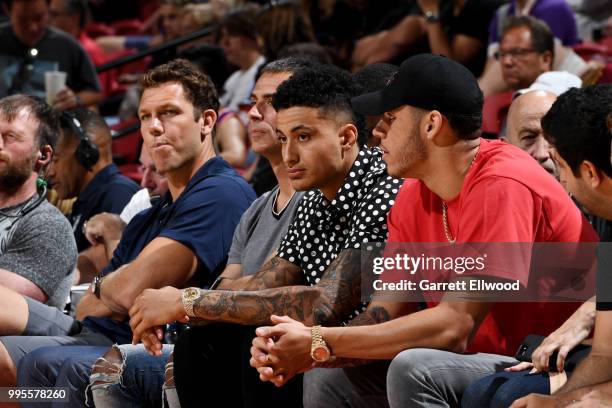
(426, 81)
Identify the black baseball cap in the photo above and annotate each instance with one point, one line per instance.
(426, 81)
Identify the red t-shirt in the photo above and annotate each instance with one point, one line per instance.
(506, 197)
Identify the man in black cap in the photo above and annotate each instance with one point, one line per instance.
(459, 189)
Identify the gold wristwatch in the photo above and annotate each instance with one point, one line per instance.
(188, 296)
(319, 351)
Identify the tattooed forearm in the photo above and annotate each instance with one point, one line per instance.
(341, 289)
(255, 307)
(371, 316)
(329, 302)
(276, 273)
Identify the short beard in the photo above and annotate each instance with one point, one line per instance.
(16, 173)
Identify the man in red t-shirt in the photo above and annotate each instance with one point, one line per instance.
(459, 189)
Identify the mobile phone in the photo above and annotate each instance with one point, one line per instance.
(533, 341)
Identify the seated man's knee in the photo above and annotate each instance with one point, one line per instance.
(410, 364)
(108, 368)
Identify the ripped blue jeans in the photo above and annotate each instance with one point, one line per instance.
(137, 382)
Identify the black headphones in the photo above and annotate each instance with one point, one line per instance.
(86, 153)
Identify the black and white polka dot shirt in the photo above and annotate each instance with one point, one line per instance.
(322, 229)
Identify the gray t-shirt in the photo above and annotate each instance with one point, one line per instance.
(40, 247)
(260, 231)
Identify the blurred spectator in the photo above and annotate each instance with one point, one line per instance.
(170, 12)
(83, 167)
(237, 35)
(525, 130)
(591, 16)
(456, 29)
(526, 50)
(154, 185)
(197, 16)
(30, 48)
(557, 16)
(372, 78)
(71, 16)
(309, 50)
(37, 249)
(555, 13)
(282, 23)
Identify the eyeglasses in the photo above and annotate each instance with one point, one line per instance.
(514, 53)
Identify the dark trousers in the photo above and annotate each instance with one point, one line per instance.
(211, 369)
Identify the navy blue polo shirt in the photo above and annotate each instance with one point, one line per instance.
(202, 218)
(109, 191)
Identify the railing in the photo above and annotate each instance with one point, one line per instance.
(155, 49)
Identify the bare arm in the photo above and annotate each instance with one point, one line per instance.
(231, 136)
(329, 302)
(492, 81)
(91, 262)
(105, 229)
(163, 262)
(22, 285)
(597, 367)
(448, 326)
(461, 48)
(90, 305)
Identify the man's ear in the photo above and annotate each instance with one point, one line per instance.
(43, 157)
(348, 136)
(547, 58)
(208, 119)
(590, 174)
(431, 123)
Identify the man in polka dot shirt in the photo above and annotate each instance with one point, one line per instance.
(316, 275)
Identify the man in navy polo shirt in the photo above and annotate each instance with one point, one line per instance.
(182, 240)
(82, 167)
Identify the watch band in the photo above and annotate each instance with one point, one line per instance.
(97, 284)
(188, 297)
(432, 17)
(318, 345)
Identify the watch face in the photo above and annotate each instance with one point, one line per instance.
(191, 293)
(320, 354)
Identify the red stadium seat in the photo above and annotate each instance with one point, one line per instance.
(126, 150)
(494, 113)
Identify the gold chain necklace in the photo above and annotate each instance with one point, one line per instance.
(447, 231)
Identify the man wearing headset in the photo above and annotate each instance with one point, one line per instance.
(82, 167)
(33, 233)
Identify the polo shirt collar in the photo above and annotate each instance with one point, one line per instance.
(214, 166)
